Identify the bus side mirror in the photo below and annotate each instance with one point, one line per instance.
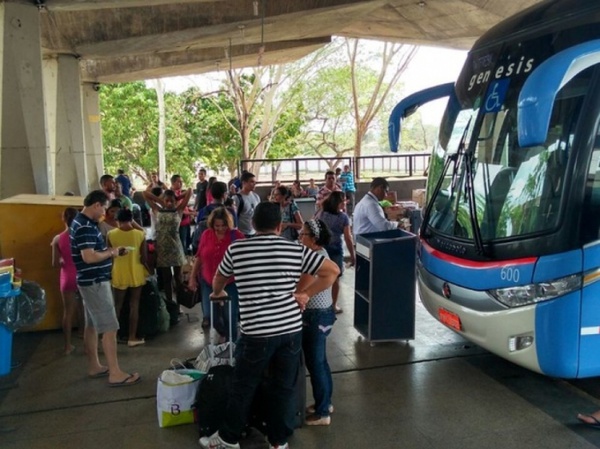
(409, 105)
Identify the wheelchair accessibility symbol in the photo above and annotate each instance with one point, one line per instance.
(495, 96)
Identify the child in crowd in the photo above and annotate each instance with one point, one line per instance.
(61, 257)
(129, 271)
(110, 218)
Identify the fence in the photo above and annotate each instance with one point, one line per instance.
(401, 165)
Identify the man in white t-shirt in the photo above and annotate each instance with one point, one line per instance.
(244, 203)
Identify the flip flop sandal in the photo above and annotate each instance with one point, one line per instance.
(595, 424)
(126, 382)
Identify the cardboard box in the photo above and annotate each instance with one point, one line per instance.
(394, 213)
(392, 197)
(418, 196)
(408, 205)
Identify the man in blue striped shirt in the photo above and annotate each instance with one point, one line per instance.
(267, 269)
(93, 261)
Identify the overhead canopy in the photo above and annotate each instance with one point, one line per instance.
(127, 40)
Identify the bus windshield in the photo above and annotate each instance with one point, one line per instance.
(517, 191)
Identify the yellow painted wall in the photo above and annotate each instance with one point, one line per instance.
(28, 224)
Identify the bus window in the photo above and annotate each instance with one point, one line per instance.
(532, 202)
(590, 212)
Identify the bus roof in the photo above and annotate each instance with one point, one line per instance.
(543, 18)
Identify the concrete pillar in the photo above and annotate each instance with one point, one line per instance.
(92, 134)
(50, 83)
(24, 153)
(62, 90)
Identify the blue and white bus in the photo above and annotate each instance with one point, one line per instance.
(509, 251)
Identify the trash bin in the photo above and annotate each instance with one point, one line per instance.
(19, 307)
(5, 349)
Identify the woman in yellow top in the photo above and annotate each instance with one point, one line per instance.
(129, 271)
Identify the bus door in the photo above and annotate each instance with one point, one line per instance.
(590, 304)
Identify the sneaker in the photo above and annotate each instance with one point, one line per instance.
(215, 442)
(310, 410)
(280, 446)
(316, 420)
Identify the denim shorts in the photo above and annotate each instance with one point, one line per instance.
(338, 259)
(99, 307)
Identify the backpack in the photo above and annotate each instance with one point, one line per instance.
(164, 319)
(149, 313)
(240, 207)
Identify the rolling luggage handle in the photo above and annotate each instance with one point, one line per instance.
(213, 331)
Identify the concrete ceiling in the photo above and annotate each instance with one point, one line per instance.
(127, 40)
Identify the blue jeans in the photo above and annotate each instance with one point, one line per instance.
(317, 326)
(253, 355)
(222, 319)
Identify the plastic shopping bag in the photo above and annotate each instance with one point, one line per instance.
(175, 396)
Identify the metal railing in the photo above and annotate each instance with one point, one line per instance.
(401, 165)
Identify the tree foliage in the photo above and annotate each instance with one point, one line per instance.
(349, 96)
(130, 131)
(206, 122)
(331, 103)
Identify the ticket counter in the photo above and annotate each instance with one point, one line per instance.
(27, 225)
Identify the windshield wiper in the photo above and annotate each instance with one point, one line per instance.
(470, 191)
(452, 158)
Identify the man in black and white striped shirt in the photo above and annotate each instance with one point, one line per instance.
(266, 270)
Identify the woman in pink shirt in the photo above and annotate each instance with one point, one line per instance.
(61, 257)
(213, 243)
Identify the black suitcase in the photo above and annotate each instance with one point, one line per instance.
(148, 320)
(213, 393)
(211, 399)
(259, 409)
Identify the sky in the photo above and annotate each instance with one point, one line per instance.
(430, 67)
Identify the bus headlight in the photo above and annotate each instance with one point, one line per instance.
(533, 293)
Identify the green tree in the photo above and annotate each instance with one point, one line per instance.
(267, 108)
(329, 125)
(129, 115)
(130, 131)
(350, 96)
(369, 93)
(207, 130)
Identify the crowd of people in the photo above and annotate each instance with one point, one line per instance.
(279, 269)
